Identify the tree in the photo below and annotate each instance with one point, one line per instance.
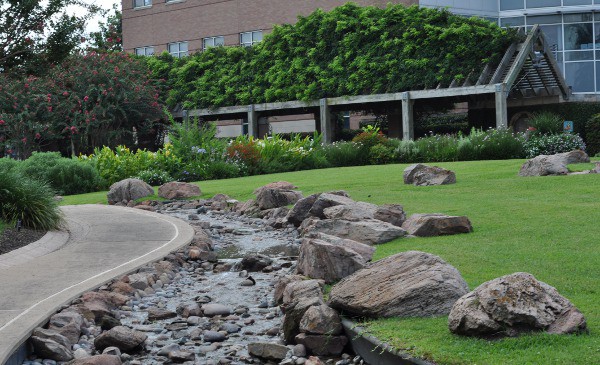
(38, 33)
(110, 36)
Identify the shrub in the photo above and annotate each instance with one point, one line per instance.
(8, 164)
(29, 200)
(592, 135)
(381, 154)
(154, 177)
(544, 144)
(493, 144)
(546, 123)
(64, 175)
(195, 141)
(341, 154)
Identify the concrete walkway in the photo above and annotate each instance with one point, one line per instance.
(104, 242)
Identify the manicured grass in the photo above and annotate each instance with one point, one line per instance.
(547, 226)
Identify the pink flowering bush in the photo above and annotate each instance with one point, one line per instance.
(88, 101)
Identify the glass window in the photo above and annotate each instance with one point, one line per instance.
(178, 49)
(553, 34)
(579, 55)
(144, 51)
(248, 39)
(580, 75)
(213, 42)
(579, 17)
(542, 3)
(511, 4)
(141, 3)
(512, 22)
(544, 19)
(577, 2)
(578, 36)
(597, 75)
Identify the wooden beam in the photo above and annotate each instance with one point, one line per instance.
(504, 63)
(501, 106)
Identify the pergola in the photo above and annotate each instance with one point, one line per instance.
(527, 70)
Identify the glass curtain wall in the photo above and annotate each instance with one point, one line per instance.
(574, 37)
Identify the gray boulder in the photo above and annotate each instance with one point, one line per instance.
(275, 198)
(429, 225)
(268, 351)
(128, 189)
(327, 200)
(215, 309)
(423, 175)
(298, 297)
(282, 283)
(301, 209)
(391, 213)
(277, 185)
(68, 324)
(362, 249)
(544, 165)
(321, 320)
(178, 190)
(322, 345)
(121, 337)
(323, 260)
(255, 262)
(49, 348)
(351, 212)
(408, 284)
(369, 231)
(512, 304)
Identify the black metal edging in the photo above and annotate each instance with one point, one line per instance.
(375, 352)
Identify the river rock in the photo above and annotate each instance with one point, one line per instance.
(277, 185)
(321, 345)
(53, 335)
(215, 309)
(178, 190)
(268, 351)
(275, 198)
(138, 281)
(122, 337)
(50, 349)
(362, 249)
(298, 297)
(408, 284)
(512, 304)
(68, 324)
(370, 231)
(321, 320)
(391, 213)
(100, 304)
(326, 200)
(128, 189)
(282, 283)
(181, 356)
(322, 260)
(213, 336)
(428, 225)
(155, 314)
(186, 310)
(301, 209)
(423, 175)
(544, 165)
(253, 262)
(98, 360)
(297, 290)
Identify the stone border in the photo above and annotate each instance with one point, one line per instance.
(375, 352)
(38, 314)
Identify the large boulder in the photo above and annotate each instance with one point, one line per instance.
(50, 344)
(282, 283)
(322, 345)
(124, 338)
(321, 320)
(298, 297)
(408, 284)
(366, 251)
(178, 190)
(301, 209)
(512, 304)
(391, 213)
(275, 198)
(352, 212)
(428, 225)
(544, 165)
(277, 185)
(323, 260)
(423, 175)
(326, 200)
(68, 324)
(128, 189)
(268, 351)
(369, 231)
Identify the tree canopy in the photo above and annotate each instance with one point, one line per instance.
(37, 33)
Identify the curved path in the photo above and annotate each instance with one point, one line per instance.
(104, 242)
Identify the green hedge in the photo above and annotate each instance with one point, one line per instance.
(592, 132)
(350, 50)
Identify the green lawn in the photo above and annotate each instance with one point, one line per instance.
(547, 226)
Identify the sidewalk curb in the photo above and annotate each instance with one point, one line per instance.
(21, 327)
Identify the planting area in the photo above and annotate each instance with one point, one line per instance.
(542, 225)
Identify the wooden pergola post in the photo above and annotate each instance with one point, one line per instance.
(408, 130)
(325, 118)
(501, 106)
(252, 121)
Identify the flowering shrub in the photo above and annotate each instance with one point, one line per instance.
(86, 102)
(154, 177)
(550, 144)
(340, 154)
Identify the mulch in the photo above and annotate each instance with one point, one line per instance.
(11, 239)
